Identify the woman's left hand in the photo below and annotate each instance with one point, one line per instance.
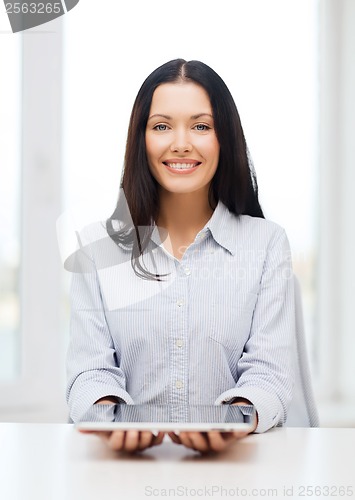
(212, 441)
(206, 442)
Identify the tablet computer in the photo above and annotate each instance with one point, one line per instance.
(168, 418)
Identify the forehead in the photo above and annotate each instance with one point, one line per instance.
(180, 97)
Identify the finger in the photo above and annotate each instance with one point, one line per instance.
(116, 440)
(105, 435)
(145, 439)
(158, 439)
(240, 434)
(217, 442)
(174, 437)
(131, 441)
(98, 433)
(228, 436)
(186, 440)
(199, 441)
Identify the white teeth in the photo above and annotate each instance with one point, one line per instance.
(182, 166)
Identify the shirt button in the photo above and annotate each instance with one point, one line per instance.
(187, 271)
(180, 302)
(179, 384)
(179, 342)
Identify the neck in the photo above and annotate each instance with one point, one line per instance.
(185, 213)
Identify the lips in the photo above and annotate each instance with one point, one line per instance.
(181, 160)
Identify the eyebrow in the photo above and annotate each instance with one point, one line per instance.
(193, 117)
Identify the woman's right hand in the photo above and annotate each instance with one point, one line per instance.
(129, 441)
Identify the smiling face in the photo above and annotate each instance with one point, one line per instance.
(181, 143)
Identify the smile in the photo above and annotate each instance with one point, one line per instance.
(182, 166)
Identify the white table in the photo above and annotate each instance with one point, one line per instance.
(55, 462)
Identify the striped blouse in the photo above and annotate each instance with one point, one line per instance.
(219, 326)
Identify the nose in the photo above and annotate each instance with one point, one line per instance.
(180, 142)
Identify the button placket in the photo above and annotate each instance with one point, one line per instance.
(187, 270)
(178, 331)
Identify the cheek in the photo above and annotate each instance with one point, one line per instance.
(155, 146)
(149, 147)
(213, 154)
(209, 148)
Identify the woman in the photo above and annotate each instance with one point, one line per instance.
(203, 313)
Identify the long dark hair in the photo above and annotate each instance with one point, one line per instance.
(234, 182)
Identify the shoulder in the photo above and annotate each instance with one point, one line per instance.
(93, 232)
(94, 241)
(246, 226)
(262, 241)
(258, 227)
(246, 233)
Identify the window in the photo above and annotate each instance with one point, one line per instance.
(267, 54)
(10, 207)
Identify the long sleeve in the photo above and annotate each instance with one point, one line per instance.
(93, 369)
(265, 370)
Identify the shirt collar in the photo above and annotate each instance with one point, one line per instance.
(222, 226)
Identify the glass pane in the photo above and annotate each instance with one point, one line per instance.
(10, 136)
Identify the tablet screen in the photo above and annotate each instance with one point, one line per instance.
(169, 418)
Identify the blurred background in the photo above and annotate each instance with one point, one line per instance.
(66, 92)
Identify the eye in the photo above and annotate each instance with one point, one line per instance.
(158, 127)
(202, 127)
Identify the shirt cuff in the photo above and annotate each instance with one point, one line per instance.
(268, 407)
(80, 402)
